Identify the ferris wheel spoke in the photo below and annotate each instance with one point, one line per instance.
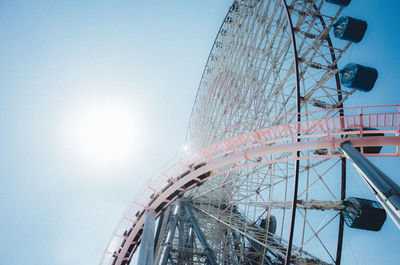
(320, 229)
(320, 178)
(315, 234)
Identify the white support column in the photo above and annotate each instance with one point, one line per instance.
(146, 254)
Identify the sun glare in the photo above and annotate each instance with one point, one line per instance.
(105, 134)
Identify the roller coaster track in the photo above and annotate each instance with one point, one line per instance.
(323, 135)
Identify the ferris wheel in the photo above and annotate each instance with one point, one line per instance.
(265, 180)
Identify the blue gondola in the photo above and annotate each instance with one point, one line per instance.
(363, 214)
(339, 2)
(351, 29)
(358, 77)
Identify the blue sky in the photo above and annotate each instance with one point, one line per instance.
(58, 57)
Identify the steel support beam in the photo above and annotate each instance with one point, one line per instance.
(384, 188)
(158, 231)
(146, 254)
(171, 259)
(165, 255)
(209, 253)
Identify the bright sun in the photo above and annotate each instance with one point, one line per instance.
(105, 134)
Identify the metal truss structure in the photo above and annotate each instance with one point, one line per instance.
(266, 177)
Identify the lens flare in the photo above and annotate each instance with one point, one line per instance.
(106, 134)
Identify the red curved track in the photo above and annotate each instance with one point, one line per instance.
(321, 133)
